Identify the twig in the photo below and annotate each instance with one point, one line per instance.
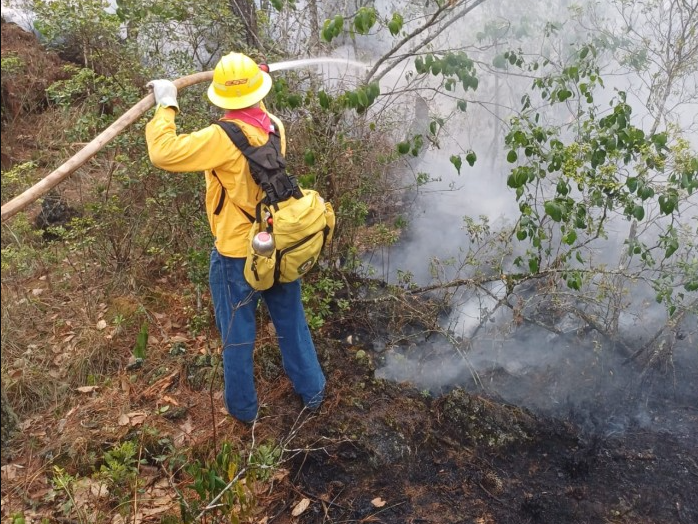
(490, 494)
(675, 321)
(135, 487)
(213, 504)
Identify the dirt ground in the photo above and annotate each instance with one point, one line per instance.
(376, 451)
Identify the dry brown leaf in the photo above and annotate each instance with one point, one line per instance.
(102, 324)
(9, 471)
(160, 385)
(99, 489)
(378, 502)
(137, 417)
(300, 507)
(123, 420)
(87, 389)
(280, 474)
(149, 512)
(37, 291)
(167, 398)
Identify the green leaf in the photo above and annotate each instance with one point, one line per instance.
(353, 98)
(553, 210)
(324, 100)
(672, 246)
(294, 101)
(533, 265)
(659, 140)
(512, 156)
(327, 33)
(141, 342)
(456, 161)
(563, 95)
(645, 192)
(403, 147)
(574, 281)
(570, 238)
(631, 182)
(462, 105)
(363, 97)
(309, 158)
(638, 212)
(667, 204)
(471, 158)
(499, 62)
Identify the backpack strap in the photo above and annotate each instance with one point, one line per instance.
(267, 164)
(221, 201)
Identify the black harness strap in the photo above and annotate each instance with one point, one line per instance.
(267, 164)
(221, 201)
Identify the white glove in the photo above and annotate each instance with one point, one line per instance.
(165, 93)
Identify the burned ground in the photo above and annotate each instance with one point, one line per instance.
(467, 459)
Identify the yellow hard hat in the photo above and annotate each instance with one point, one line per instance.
(238, 82)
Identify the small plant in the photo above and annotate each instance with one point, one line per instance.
(120, 470)
(318, 298)
(263, 460)
(139, 349)
(17, 518)
(11, 64)
(63, 481)
(226, 482)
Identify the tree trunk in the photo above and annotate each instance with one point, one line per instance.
(314, 43)
(9, 422)
(247, 12)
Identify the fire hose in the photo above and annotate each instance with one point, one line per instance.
(54, 178)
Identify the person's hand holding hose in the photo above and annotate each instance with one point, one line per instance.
(165, 93)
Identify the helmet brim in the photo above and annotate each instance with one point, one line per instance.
(241, 102)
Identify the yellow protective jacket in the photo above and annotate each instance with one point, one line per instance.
(207, 150)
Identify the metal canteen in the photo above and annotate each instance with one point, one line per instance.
(263, 244)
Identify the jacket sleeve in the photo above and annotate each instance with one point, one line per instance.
(197, 151)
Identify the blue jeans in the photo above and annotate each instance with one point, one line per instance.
(235, 303)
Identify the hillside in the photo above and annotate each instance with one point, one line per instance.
(107, 438)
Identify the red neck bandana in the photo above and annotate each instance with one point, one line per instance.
(253, 116)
